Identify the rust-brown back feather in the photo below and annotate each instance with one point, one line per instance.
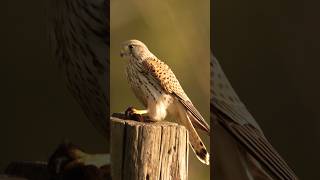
(162, 73)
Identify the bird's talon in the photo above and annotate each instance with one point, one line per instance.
(130, 113)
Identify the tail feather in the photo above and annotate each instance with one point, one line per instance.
(194, 139)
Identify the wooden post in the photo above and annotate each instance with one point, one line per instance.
(148, 150)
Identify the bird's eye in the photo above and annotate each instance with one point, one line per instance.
(130, 46)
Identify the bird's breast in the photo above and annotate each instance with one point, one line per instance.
(146, 88)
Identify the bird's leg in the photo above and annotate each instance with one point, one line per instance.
(136, 114)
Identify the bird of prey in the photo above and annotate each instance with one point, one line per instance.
(156, 86)
(258, 158)
(79, 32)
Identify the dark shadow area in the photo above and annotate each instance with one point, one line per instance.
(37, 110)
(269, 51)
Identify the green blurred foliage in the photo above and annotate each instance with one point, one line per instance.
(178, 33)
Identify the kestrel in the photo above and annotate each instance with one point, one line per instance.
(79, 32)
(259, 159)
(156, 86)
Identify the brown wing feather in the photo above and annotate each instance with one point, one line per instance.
(164, 75)
(234, 116)
(198, 121)
(258, 146)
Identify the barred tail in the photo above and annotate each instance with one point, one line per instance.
(194, 139)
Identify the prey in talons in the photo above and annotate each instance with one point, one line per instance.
(137, 115)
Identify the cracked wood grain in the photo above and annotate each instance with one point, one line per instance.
(148, 151)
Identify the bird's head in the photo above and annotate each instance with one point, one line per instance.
(136, 49)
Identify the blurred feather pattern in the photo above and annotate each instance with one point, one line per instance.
(260, 158)
(79, 32)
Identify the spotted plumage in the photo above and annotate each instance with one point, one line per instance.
(156, 86)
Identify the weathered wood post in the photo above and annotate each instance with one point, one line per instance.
(148, 151)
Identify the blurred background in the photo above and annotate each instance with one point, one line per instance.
(178, 33)
(269, 50)
(37, 111)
